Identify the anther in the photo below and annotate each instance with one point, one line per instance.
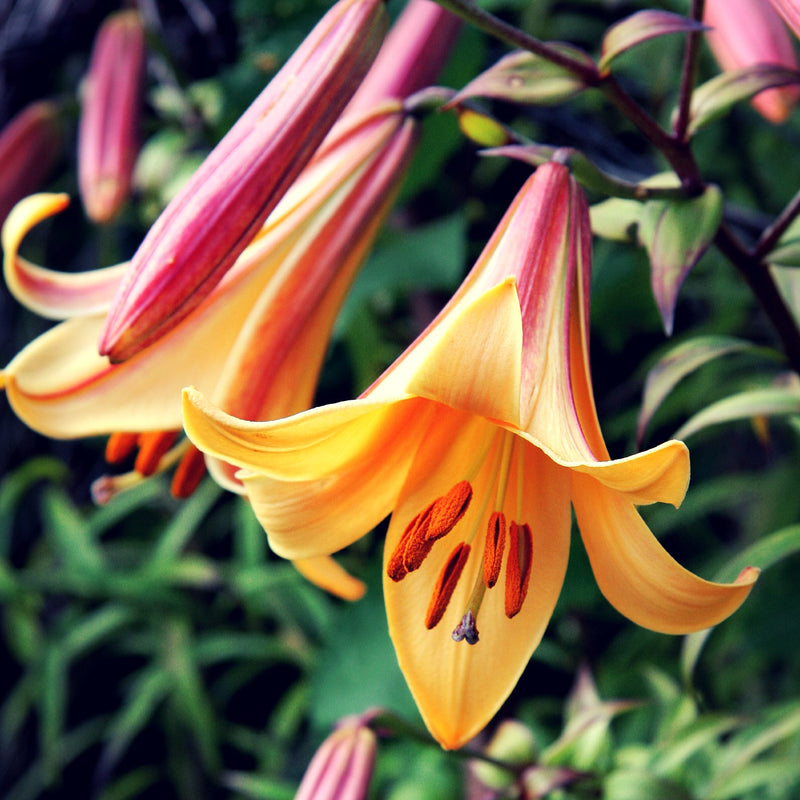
(466, 630)
(447, 510)
(446, 584)
(412, 548)
(518, 567)
(152, 446)
(493, 552)
(190, 471)
(120, 446)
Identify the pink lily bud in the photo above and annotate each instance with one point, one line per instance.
(210, 222)
(342, 767)
(749, 32)
(29, 146)
(790, 11)
(412, 56)
(108, 138)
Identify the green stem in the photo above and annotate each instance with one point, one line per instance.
(688, 74)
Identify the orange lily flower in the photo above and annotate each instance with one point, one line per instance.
(108, 139)
(748, 32)
(476, 440)
(211, 220)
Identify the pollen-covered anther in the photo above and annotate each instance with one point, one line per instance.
(446, 584)
(190, 471)
(412, 548)
(493, 552)
(152, 447)
(518, 567)
(120, 446)
(447, 510)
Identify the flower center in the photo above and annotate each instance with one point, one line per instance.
(501, 540)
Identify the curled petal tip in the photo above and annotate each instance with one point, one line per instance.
(749, 575)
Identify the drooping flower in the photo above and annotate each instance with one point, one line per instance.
(108, 136)
(208, 224)
(29, 147)
(476, 440)
(256, 343)
(748, 32)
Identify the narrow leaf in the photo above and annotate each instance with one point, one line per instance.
(679, 362)
(774, 401)
(522, 77)
(639, 28)
(716, 97)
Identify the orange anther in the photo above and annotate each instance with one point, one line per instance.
(120, 446)
(447, 510)
(518, 567)
(152, 446)
(190, 471)
(495, 544)
(446, 584)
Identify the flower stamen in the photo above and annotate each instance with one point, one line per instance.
(493, 552)
(152, 447)
(518, 567)
(120, 446)
(446, 584)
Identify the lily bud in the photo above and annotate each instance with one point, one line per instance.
(210, 222)
(342, 767)
(108, 138)
(29, 147)
(749, 32)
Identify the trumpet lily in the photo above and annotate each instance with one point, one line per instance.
(476, 440)
(108, 134)
(208, 224)
(748, 32)
(257, 342)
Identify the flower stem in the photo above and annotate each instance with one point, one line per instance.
(688, 74)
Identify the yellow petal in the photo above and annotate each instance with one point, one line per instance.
(329, 575)
(459, 687)
(321, 479)
(52, 294)
(637, 575)
(470, 361)
(658, 475)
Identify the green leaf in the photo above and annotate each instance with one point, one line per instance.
(676, 233)
(670, 756)
(639, 28)
(523, 77)
(775, 774)
(716, 97)
(72, 537)
(258, 787)
(773, 401)
(765, 553)
(635, 785)
(676, 364)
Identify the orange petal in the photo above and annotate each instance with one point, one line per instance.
(459, 687)
(637, 575)
(329, 575)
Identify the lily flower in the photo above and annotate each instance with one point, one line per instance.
(476, 440)
(748, 32)
(30, 145)
(256, 343)
(203, 230)
(108, 136)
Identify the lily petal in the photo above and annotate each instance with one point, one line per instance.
(448, 370)
(325, 477)
(51, 294)
(458, 686)
(330, 576)
(637, 575)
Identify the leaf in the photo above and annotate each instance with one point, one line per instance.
(671, 756)
(716, 97)
(639, 28)
(676, 233)
(766, 773)
(676, 364)
(635, 785)
(523, 77)
(765, 553)
(773, 401)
